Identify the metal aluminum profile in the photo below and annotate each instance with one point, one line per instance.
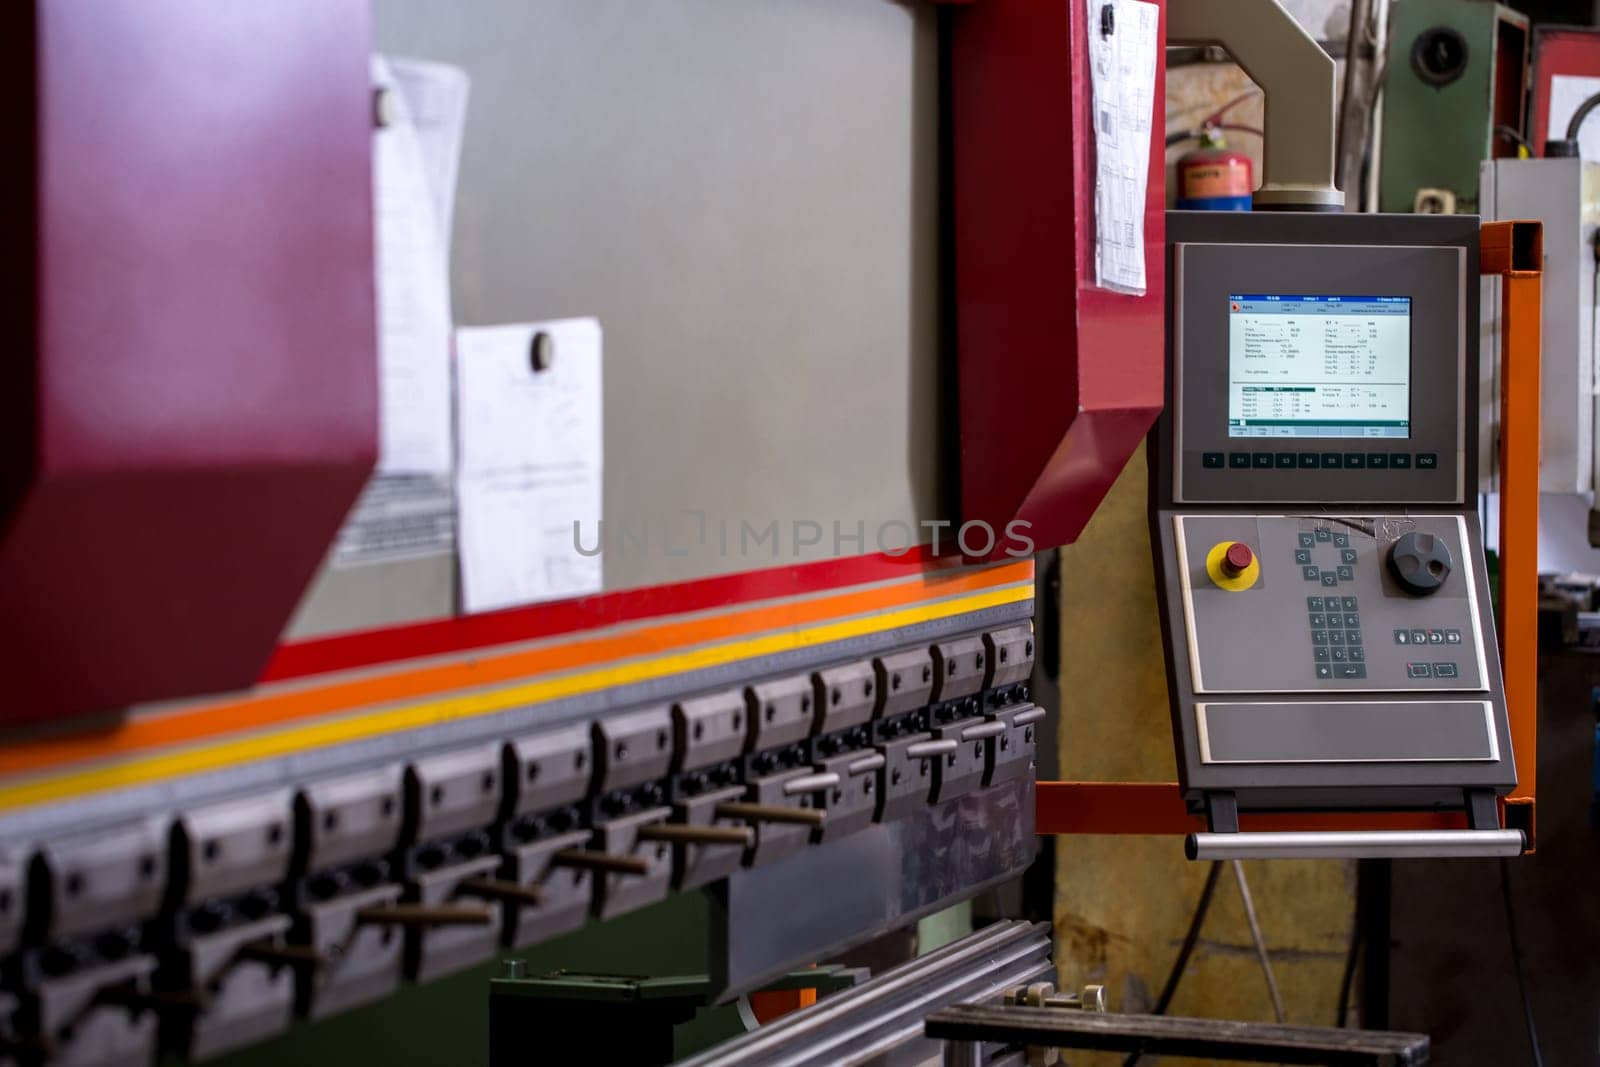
(887, 1012)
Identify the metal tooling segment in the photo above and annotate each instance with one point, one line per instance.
(331, 722)
(401, 817)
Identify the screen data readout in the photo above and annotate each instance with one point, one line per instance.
(1319, 366)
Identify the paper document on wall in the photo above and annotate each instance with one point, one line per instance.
(1567, 94)
(397, 517)
(528, 486)
(435, 98)
(414, 161)
(1122, 62)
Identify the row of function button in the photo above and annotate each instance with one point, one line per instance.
(1341, 670)
(1329, 578)
(1347, 556)
(1431, 670)
(1427, 637)
(1359, 670)
(1331, 603)
(1310, 461)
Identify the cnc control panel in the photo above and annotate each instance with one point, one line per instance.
(1346, 603)
(1329, 629)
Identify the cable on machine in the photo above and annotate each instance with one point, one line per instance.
(1260, 942)
(1347, 980)
(1190, 938)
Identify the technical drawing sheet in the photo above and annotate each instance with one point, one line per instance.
(1122, 62)
(528, 487)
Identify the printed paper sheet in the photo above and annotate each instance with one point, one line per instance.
(1122, 61)
(529, 483)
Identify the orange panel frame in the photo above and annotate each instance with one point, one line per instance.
(1513, 251)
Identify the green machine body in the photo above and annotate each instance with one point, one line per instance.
(1455, 95)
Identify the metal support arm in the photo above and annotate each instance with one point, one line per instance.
(1301, 87)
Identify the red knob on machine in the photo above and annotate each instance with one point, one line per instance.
(1237, 559)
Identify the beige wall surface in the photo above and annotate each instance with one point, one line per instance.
(1123, 903)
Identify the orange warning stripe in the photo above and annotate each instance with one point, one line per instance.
(279, 707)
(223, 753)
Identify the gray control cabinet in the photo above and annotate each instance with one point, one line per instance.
(1330, 634)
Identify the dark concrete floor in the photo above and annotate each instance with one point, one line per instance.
(1451, 967)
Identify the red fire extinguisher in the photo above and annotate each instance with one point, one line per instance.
(1213, 177)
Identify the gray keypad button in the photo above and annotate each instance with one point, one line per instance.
(1302, 556)
(1319, 621)
(1358, 654)
(1320, 655)
(1307, 540)
(1341, 540)
(1330, 579)
(1335, 637)
(1310, 574)
(1349, 603)
(1347, 555)
(1418, 670)
(1347, 574)
(1319, 637)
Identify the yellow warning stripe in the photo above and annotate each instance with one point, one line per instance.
(144, 770)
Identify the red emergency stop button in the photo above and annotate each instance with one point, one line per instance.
(1237, 559)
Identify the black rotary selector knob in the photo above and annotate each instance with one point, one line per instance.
(1420, 562)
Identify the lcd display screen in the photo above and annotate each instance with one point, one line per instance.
(1319, 366)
